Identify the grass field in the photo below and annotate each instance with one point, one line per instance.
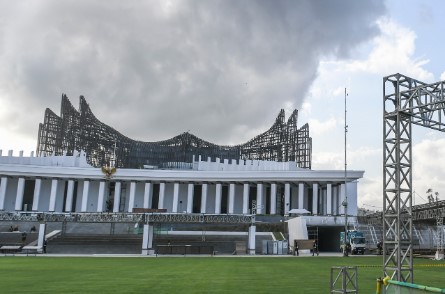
(43, 274)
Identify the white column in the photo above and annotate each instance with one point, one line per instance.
(218, 198)
(117, 196)
(231, 198)
(273, 198)
(246, 189)
(190, 190)
(315, 198)
(148, 192)
(204, 198)
(86, 191)
(286, 198)
(100, 197)
(147, 240)
(323, 202)
(41, 237)
(19, 196)
(69, 196)
(161, 195)
(342, 198)
(36, 196)
(52, 197)
(329, 199)
(259, 198)
(175, 197)
(351, 189)
(335, 200)
(4, 184)
(132, 195)
(252, 232)
(300, 195)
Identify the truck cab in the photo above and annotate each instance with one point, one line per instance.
(358, 245)
(355, 242)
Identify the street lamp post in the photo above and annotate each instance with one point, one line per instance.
(345, 202)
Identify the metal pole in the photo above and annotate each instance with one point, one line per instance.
(345, 202)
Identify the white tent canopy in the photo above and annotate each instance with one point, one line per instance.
(299, 211)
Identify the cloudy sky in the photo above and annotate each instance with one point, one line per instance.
(223, 70)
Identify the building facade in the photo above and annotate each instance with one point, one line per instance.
(85, 170)
(67, 183)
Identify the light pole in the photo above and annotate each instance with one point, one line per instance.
(345, 202)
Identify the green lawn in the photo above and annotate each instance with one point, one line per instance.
(194, 274)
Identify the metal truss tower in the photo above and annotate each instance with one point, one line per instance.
(406, 101)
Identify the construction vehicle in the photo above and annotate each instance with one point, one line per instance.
(355, 242)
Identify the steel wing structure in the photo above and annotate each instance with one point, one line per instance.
(76, 130)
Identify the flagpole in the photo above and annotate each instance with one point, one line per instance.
(345, 202)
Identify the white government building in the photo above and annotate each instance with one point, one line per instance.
(70, 184)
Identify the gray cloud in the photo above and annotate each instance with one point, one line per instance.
(154, 69)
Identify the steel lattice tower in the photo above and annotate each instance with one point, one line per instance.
(406, 101)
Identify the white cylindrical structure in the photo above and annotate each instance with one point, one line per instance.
(218, 198)
(314, 198)
(100, 197)
(251, 243)
(41, 239)
(175, 197)
(231, 198)
(19, 195)
(329, 199)
(245, 198)
(3, 185)
(53, 195)
(132, 196)
(204, 198)
(117, 196)
(190, 190)
(148, 191)
(147, 240)
(273, 198)
(36, 196)
(161, 195)
(300, 195)
(86, 190)
(286, 198)
(259, 199)
(69, 196)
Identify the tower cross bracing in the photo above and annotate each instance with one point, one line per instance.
(407, 101)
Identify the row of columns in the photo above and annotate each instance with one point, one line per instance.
(329, 196)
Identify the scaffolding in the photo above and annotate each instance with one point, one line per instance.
(76, 130)
(407, 101)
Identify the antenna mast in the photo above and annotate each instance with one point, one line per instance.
(345, 201)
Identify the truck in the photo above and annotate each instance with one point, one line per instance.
(355, 242)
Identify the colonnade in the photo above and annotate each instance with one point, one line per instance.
(92, 195)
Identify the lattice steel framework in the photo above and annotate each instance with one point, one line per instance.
(81, 130)
(406, 101)
(93, 217)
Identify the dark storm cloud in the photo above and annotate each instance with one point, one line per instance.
(154, 69)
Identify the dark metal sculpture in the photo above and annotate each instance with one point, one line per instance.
(81, 130)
